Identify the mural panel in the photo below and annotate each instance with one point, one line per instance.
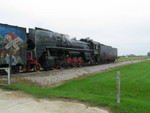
(12, 39)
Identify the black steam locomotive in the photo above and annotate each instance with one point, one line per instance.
(45, 49)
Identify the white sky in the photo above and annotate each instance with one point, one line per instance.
(124, 24)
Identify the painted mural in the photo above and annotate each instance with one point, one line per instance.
(12, 42)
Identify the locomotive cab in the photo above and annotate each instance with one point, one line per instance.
(95, 47)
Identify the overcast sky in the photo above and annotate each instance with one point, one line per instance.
(123, 24)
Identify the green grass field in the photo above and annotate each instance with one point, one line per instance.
(100, 89)
(131, 58)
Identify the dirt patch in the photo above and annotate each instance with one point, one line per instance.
(18, 102)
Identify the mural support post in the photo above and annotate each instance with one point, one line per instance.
(8, 74)
(10, 62)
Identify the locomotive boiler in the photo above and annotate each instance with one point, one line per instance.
(55, 50)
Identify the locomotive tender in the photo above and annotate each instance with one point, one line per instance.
(45, 49)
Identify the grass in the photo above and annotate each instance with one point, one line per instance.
(100, 89)
(131, 58)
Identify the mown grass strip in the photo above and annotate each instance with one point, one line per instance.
(100, 89)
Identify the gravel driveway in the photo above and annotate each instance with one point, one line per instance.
(18, 102)
(56, 77)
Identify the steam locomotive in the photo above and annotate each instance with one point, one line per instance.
(44, 49)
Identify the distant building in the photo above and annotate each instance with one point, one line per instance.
(148, 54)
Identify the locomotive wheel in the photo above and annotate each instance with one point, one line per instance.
(37, 67)
(69, 60)
(75, 62)
(80, 61)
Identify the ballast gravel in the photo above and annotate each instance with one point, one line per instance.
(59, 76)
